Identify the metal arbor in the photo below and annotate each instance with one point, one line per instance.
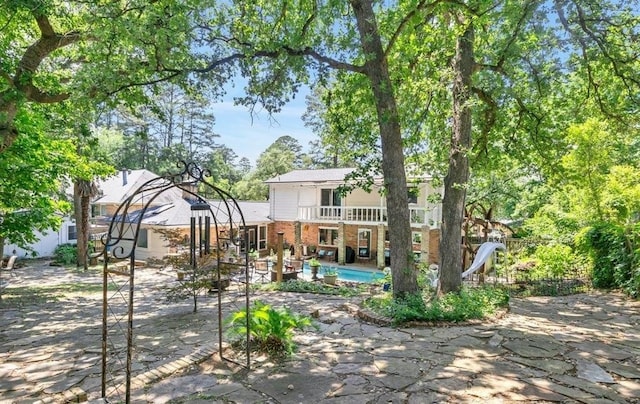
(216, 229)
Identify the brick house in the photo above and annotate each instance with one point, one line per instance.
(170, 209)
(306, 206)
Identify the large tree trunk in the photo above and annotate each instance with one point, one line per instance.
(83, 191)
(81, 234)
(402, 269)
(455, 182)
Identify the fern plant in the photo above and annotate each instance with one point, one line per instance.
(270, 329)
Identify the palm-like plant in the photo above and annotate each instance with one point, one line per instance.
(271, 329)
(83, 192)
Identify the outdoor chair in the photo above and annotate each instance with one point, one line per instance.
(261, 270)
(294, 266)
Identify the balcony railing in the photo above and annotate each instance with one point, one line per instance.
(366, 215)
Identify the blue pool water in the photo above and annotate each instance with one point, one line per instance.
(348, 274)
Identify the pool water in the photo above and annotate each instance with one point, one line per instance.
(348, 274)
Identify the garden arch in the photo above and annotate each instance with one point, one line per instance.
(215, 229)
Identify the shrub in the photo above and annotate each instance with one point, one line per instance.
(314, 287)
(468, 303)
(66, 254)
(271, 329)
(554, 261)
(605, 243)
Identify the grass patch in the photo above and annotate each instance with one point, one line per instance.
(27, 296)
(46, 294)
(302, 286)
(467, 304)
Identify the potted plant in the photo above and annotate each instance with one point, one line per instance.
(386, 281)
(330, 276)
(314, 264)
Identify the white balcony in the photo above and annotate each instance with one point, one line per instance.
(366, 215)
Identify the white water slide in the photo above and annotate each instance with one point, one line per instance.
(485, 252)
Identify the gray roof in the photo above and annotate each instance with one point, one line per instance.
(178, 213)
(117, 188)
(324, 175)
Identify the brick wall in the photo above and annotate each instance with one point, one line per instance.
(309, 236)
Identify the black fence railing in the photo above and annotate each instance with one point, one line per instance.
(529, 283)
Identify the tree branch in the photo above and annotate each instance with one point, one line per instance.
(592, 83)
(48, 42)
(489, 115)
(422, 5)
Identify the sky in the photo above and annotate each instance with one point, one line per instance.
(249, 138)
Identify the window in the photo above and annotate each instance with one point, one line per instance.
(364, 243)
(143, 241)
(412, 194)
(72, 233)
(327, 236)
(98, 210)
(262, 238)
(416, 237)
(329, 198)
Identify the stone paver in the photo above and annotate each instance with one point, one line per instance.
(583, 348)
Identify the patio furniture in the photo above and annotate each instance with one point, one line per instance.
(261, 270)
(290, 270)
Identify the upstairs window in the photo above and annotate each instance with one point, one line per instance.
(330, 197)
(412, 194)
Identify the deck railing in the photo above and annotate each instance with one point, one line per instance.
(366, 214)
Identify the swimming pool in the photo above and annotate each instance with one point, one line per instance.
(348, 274)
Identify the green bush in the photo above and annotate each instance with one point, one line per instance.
(554, 261)
(302, 286)
(632, 285)
(605, 243)
(66, 254)
(469, 303)
(271, 329)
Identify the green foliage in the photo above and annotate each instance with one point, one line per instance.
(271, 329)
(301, 286)
(33, 170)
(554, 261)
(65, 254)
(329, 271)
(468, 303)
(606, 244)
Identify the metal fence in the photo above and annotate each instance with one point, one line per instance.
(528, 283)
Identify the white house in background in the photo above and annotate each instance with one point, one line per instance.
(177, 215)
(169, 210)
(307, 207)
(47, 242)
(113, 191)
